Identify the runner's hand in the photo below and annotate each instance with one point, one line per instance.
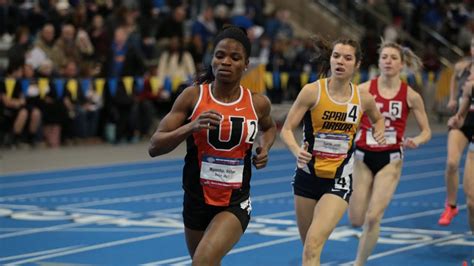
(303, 155)
(206, 120)
(260, 159)
(410, 143)
(379, 136)
(455, 122)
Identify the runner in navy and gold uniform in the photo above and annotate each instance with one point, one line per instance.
(465, 116)
(377, 168)
(331, 109)
(219, 120)
(458, 139)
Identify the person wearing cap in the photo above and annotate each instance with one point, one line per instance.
(219, 119)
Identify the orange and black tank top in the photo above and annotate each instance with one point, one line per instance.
(329, 129)
(217, 166)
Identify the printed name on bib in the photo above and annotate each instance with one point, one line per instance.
(390, 137)
(222, 172)
(331, 145)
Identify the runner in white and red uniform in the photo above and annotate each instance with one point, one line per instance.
(377, 168)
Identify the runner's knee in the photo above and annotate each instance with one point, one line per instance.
(452, 165)
(356, 219)
(207, 254)
(470, 201)
(312, 249)
(204, 257)
(373, 219)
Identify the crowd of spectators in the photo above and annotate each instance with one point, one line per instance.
(434, 23)
(104, 70)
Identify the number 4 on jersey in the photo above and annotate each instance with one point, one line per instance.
(352, 113)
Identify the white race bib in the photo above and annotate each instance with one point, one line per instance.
(390, 137)
(331, 145)
(32, 91)
(222, 172)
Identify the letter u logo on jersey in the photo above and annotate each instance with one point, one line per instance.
(236, 130)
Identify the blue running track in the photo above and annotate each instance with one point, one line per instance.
(129, 214)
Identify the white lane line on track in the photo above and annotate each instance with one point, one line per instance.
(113, 174)
(140, 183)
(176, 193)
(95, 230)
(164, 169)
(39, 253)
(59, 227)
(160, 181)
(185, 259)
(180, 231)
(99, 246)
(408, 248)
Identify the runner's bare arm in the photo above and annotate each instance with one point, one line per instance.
(376, 118)
(415, 102)
(173, 130)
(307, 99)
(267, 128)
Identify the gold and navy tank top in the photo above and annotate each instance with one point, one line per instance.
(330, 128)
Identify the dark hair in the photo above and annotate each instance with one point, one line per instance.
(228, 31)
(237, 33)
(323, 50)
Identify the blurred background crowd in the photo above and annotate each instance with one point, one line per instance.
(89, 71)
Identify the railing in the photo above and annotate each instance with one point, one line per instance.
(447, 62)
(359, 31)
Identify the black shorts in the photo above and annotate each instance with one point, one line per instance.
(468, 131)
(376, 160)
(313, 187)
(470, 139)
(197, 215)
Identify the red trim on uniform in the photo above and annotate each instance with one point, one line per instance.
(398, 124)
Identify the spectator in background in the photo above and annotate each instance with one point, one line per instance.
(172, 25)
(203, 31)
(123, 60)
(278, 25)
(465, 34)
(277, 63)
(430, 58)
(79, 16)
(369, 50)
(392, 31)
(70, 47)
(240, 18)
(43, 47)
(221, 16)
(99, 38)
(82, 107)
(53, 109)
(256, 7)
(21, 42)
(14, 111)
(33, 103)
(60, 14)
(9, 18)
(176, 63)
